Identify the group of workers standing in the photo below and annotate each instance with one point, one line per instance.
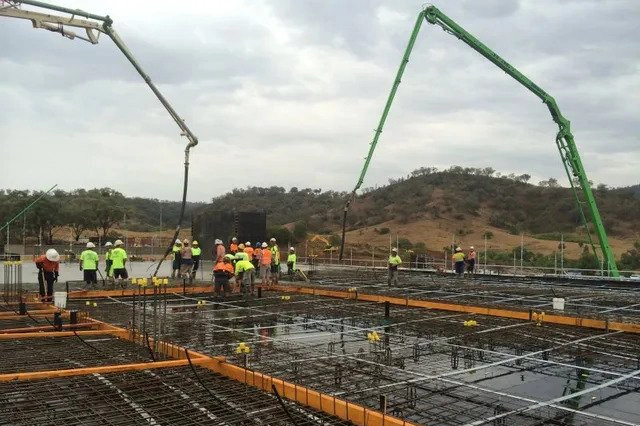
(186, 259)
(243, 260)
(115, 256)
(461, 262)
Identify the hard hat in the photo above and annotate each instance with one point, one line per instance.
(185, 242)
(292, 249)
(118, 243)
(234, 239)
(248, 244)
(471, 248)
(394, 249)
(458, 249)
(52, 255)
(265, 245)
(195, 243)
(108, 244)
(273, 240)
(217, 241)
(90, 245)
(229, 257)
(240, 246)
(178, 241)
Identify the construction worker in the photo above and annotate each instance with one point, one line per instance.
(233, 247)
(244, 275)
(219, 250)
(119, 258)
(196, 251)
(291, 262)
(275, 260)
(394, 262)
(48, 266)
(107, 259)
(89, 264)
(265, 264)
(458, 261)
(186, 260)
(222, 272)
(257, 256)
(471, 261)
(249, 250)
(240, 253)
(177, 256)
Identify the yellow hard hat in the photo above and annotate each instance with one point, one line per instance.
(195, 242)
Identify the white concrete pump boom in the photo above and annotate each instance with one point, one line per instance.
(93, 26)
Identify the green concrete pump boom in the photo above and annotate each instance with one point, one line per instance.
(564, 139)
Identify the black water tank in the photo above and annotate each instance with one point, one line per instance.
(208, 226)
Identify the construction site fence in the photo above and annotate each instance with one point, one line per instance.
(446, 266)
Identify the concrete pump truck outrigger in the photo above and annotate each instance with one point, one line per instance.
(564, 139)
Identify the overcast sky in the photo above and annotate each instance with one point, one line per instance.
(288, 93)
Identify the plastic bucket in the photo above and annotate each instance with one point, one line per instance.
(60, 299)
(558, 303)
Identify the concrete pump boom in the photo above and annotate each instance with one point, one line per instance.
(564, 139)
(93, 26)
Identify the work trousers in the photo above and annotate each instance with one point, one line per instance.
(393, 277)
(49, 277)
(90, 276)
(196, 264)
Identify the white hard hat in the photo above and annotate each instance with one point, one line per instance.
(458, 249)
(218, 241)
(292, 249)
(90, 245)
(234, 239)
(265, 245)
(118, 243)
(471, 248)
(178, 241)
(108, 244)
(394, 249)
(52, 255)
(185, 241)
(248, 243)
(273, 240)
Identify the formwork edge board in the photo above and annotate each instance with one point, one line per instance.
(480, 310)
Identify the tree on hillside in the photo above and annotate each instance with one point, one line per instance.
(108, 207)
(630, 260)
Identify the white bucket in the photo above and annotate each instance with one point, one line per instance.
(558, 303)
(60, 299)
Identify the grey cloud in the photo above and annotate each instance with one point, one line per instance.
(317, 96)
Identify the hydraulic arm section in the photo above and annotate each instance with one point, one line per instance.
(94, 25)
(564, 139)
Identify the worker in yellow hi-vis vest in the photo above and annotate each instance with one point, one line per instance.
(394, 262)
